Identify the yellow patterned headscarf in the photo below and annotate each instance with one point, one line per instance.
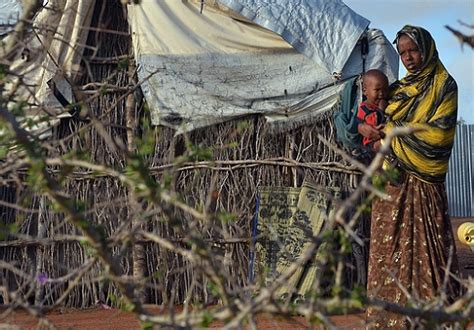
(424, 99)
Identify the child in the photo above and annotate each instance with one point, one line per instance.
(371, 111)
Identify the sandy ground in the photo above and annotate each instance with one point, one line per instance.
(117, 319)
(100, 318)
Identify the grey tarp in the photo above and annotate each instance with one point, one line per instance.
(200, 69)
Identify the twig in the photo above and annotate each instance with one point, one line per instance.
(463, 39)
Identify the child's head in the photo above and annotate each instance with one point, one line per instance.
(375, 86)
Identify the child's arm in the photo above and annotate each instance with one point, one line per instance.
(373, 133)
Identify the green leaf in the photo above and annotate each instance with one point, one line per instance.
(3, 151)
(146, 325)
(123, 64)
(207, 319)
(7, 229)
(225, 217)
(3, 69)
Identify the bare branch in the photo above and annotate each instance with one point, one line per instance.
(463, 39)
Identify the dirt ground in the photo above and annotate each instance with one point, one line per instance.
(100, 318)
(117, 320)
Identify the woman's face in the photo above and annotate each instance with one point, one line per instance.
(410, 54)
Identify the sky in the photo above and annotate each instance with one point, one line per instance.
(391, 15)
(8, 8)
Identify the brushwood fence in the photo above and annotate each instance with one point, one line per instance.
(46, 260)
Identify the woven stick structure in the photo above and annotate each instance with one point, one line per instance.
(217, 170)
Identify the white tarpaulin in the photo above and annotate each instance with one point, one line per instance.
(286, 59)
(204, 68)
(51, 56)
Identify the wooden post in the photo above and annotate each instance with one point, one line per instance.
(41, 230)
(138, 249)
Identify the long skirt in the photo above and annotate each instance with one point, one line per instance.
(411, 246)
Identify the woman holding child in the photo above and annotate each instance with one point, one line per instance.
(411, 245)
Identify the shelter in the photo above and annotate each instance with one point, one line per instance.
(218, 62)
(253, 82)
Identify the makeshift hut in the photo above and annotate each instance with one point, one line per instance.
(245, 89)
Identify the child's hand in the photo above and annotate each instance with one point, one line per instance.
(373, 133)
(377, 145)
(381, 129)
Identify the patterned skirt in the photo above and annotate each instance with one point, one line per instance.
(411, 245)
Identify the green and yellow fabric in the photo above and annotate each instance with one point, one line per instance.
(426, 99)
(288, 218)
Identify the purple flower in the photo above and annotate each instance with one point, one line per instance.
(42, 278)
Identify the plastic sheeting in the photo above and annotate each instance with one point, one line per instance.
(325, 31)
(200, 69)
(53, 53)
(9, 13)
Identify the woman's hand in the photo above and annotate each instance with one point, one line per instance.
(377, 145)
(373, 133)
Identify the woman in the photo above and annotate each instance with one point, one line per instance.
(411, 241)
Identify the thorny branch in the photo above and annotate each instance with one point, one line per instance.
(463, 38)
(187, 233)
